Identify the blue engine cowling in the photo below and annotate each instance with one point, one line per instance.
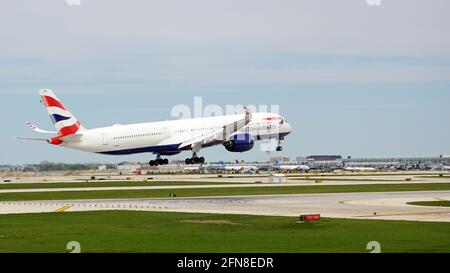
(240, 143)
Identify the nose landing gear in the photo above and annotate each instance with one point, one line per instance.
(279, 147)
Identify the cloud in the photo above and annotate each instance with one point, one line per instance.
(111, 44)
(56, 30)
(338, 63)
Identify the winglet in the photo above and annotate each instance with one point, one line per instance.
(248, 115)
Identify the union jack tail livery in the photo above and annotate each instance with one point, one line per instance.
(63, 120)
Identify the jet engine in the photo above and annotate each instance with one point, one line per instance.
(240, 143)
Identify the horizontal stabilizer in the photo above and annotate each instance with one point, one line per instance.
(31, 138)
(38, 130)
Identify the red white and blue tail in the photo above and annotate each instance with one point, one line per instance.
(65, 123)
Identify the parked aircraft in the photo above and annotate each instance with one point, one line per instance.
(278, 166)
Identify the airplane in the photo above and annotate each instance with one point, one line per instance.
(192, 168)
(289, 168)
(238, 167)
(359, 169)
(237, 133)
(344, 167)
(232, 168)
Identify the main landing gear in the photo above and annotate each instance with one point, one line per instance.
(159, 161)
(194, 160)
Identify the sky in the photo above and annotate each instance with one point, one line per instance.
(352, 79)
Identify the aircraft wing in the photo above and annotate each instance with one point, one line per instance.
(220, 135)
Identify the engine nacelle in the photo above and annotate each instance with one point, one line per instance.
(54, 141)
(240, 143)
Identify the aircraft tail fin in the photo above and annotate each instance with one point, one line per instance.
(276, 163)
(64, 122)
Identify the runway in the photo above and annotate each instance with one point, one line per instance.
(379, 205)
(216, 184)
(306, 178)
(174, 187)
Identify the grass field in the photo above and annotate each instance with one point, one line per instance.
(221, 191)
(431, 203)
(119, 231)
(360, 174)
(435, 176)
(324, 178)
(104, 184)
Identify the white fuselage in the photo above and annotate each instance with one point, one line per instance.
(359, 169)
(240, 168)
(293, 167)
(163, 137)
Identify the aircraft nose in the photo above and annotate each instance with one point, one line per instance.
(288, 127)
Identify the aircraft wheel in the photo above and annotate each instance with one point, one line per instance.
(151, 163)
(165, 161)
(279, 149)
(187, 161)
(192, 160)
(202, 160)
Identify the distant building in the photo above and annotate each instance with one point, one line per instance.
(301, 159)
(279, 159)
(444, 156)
(30, 168)
(8, 168)
(128, 167)
(324, 158)
(102, 168)
(15, 168)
